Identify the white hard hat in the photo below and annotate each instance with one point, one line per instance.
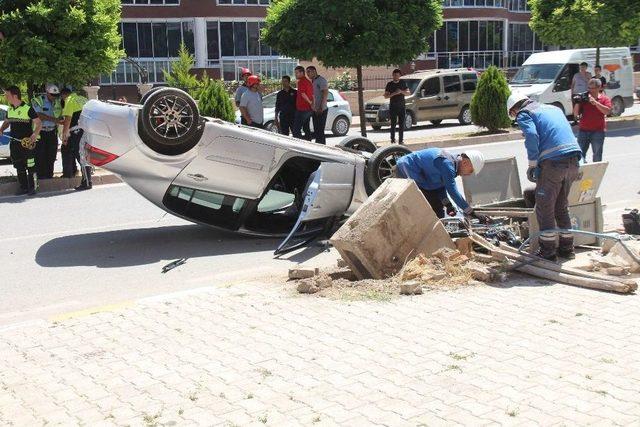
(514, 98)
(53, 89)
(477, 160)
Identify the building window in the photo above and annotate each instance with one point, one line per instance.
(475, 3)
(522, 43)
(156, 39)
(243, 2)
(151, 2)
(475, 44)
(518, 6)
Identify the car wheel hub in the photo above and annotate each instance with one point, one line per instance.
(387, 165)
(342, 126)
(171, 117)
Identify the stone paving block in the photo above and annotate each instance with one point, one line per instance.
(394, 225)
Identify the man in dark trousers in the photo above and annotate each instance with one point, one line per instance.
(304, 104)
(25, 131)
(320, 108)
(285, 107)
(72, 150)
(395, 91)
(554, 156)
(434, 171)
(49, 111)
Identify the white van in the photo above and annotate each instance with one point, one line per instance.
(546, 76)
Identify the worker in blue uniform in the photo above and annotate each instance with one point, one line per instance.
(434, 171)
(554, 156)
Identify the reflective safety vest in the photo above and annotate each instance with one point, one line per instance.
(57, 107)
(19, 114)
(73, 104)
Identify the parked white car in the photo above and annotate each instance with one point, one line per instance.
(338, 118)
(4, 139)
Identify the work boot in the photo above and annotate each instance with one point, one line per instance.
(567, 253)
(84, 186)
(565, 247)
(549, 257)
(547, 250)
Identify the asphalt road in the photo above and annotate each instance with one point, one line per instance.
(68, 251)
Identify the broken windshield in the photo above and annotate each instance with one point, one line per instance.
(536, 74)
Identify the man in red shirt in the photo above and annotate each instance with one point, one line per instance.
(592, 121)
(304, 105)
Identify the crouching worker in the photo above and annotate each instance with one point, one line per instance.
(554, 156)
(434, 171)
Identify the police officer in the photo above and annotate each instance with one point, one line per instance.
(25, 131)
(434, 171)
(554, 156)
(49, 111)
(72, 136)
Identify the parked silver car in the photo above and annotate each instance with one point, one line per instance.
(338, 118)
(231, 176)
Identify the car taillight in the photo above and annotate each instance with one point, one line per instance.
(98, 157)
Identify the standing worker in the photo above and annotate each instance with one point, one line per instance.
(285, 107)
(25, 131)
(304, 103)
(554, 156)
(244, 74)
(251, 103)
(434, 171)
(72, 136)
(49, 111)
(395, 91)
(320, 108)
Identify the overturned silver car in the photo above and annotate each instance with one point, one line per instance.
(230, 176)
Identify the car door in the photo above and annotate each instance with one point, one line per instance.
(562, 87)
(430, 102)
(452, 96)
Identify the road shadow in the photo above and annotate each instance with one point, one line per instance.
(133, 247)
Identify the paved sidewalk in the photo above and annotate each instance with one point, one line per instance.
(257, 354)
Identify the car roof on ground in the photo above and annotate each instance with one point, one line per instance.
(430, 73)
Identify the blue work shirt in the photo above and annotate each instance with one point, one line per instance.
(547, 133)
(44, 106)
(433, 169)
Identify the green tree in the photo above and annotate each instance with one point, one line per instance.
(180, 75)
(214, 101)
(352, 33)
(69, 42)
(586, 23)
(489, 102)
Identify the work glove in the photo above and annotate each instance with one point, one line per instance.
(483, 219)
(450, 209)
(532, 173)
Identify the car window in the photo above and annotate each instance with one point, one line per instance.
(204, 206)
(452, 84)
(276, 200)
(431, 87)
(563, 81)
(469, 82)
(330, 97)
(269, 101)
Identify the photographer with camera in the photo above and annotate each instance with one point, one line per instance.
(593, 106)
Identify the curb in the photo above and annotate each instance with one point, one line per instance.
(59, 184)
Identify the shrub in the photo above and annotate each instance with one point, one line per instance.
(489, 102)
(214, 100)
(343, 82)
(180, 76)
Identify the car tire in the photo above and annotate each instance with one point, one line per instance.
(408, 121)
(436, 122)
(465, 116)
(271, 126)
(358, 144)
(376, 127)
(341, 126)
(169, 122)
(380, 164)
(148, 94)
(617, 106)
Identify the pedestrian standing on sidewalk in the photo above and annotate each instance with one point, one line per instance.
(395, 91)
(251, 103)
(554, 156)
(320, 109)
(593, 123)
(285, 112)
(579, 85)
(244, 74)
(25, 131)
(304, 104)
(597, 74)
(49, 111)
(72, 137)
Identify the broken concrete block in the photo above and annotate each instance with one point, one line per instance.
(619, 251)
(446, 254)
(393, 226)
(411, 288)
(301, 272)
(341, 263)
(464, 245)
(617, 271)
(479, 271)
(307, 287)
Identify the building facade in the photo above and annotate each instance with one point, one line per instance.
(223, 35)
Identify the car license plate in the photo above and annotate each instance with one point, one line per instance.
(371, 116)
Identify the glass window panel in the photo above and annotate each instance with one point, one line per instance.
(468, 2)
(499, 35)
(482, 35)
(160, 40)
(451, 83)
(441, 39)
(464, 36)
(264, 49)
(252, 1)
(145, 43)
(240, 38)
(490, 34)
(187, 36)
(174, 38)
(452, 36)
(528, 37)
(213, 50)
(226, 38)
(130, 39)
(253, 33)
(431, 41)
(473, 35)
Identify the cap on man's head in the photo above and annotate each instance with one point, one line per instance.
(244, 71)
(52, 89)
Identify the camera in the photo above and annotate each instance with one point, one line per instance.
(580, 98)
